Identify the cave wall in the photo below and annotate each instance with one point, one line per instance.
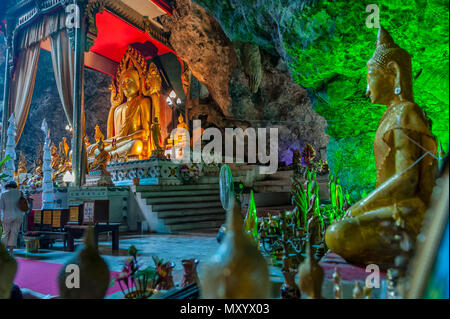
(326, 45)
(247, 84)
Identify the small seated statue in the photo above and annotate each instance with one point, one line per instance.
(405, 172)
(39, 161)
(63, 155)
(179, 139)
(55, 157)
(101, 160)
(22, 168)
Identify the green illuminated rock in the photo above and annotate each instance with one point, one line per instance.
(326, 45)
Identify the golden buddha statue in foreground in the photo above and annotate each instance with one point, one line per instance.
(405, 171)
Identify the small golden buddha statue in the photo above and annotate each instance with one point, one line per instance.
(101, 160)
(98, 135)
(55, 156)
(22, 167)
(180, 139)
(181, 124)
(63, 153)
(156, 139)
(39, 161)
(405, 172)
(86, 142)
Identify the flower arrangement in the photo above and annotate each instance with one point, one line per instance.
(189, 175)
(135, 281)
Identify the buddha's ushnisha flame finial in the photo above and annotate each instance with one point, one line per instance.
(387, 50)
(385, 39)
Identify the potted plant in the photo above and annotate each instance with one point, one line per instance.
(134, 281)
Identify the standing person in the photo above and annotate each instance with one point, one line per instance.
(11, 215)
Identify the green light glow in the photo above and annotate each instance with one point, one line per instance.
(327, 44)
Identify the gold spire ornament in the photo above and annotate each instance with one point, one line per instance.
(358, 292)
(237, 270)
(337, 284)
(90, 271)
(310, 275)
(8, 268)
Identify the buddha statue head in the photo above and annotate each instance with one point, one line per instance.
(129, 81)
(389, 72)
(180, 119)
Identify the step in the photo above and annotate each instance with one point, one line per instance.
(190, 212)
(275, 182)
(179, 193)
(199, 218)
(281, 175)
(194, 226)
(163, 188)
(162, 207)
(272, 189)
(182, 199)
(209, 180)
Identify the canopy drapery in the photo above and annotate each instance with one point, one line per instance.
(63, 68)
(23, 85)
(25, 69)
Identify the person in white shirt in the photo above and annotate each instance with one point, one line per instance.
(11, 215)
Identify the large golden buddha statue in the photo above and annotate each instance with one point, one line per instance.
(134, 93)
(405, 171)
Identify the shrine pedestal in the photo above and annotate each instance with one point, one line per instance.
(118, 200)
(153, 171)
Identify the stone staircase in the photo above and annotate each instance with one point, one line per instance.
(197, 208)
(183, 208)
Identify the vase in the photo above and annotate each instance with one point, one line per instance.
(165, 275)
(32, 244)
(136, 181)
(190, 271)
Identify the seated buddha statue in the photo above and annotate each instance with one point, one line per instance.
(179, 139)
(404, 151)
(22, 168)
(128, 123)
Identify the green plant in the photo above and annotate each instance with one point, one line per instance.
(4, 177)
(133, 280)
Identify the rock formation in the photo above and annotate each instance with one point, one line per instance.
(199, 40)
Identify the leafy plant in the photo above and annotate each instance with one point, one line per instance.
(4, 177)
(133, 279)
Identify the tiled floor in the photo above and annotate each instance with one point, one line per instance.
(168, 247)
